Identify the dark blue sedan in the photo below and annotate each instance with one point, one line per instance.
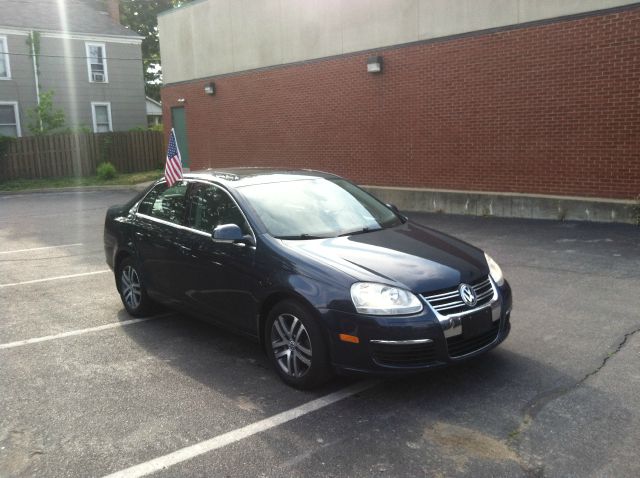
(320, 272)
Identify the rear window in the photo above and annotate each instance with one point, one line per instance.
(165, 203)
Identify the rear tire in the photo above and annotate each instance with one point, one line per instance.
(132, 291)
(296, 346)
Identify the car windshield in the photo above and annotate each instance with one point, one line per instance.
(317, 208)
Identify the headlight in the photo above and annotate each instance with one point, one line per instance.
(381, 299)
(494, 270)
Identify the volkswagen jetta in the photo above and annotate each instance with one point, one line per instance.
(320, 272)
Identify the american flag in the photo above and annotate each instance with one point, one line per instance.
(173, 168)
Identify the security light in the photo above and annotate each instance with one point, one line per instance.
(210, 89)
(374, 64)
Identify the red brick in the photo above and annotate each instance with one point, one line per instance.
(551, 109)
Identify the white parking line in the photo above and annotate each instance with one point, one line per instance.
(20, 343)
(47, 279)
(233, 436)
(40, 248)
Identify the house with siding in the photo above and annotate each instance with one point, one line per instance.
(154, 112)
(80, 51)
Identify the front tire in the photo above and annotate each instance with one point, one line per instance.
(296, 347)
(132, 291)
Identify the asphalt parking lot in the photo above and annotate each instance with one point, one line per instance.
(86, 391)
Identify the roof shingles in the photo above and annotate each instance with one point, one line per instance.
(82, 16)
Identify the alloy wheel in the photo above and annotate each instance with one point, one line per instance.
(291, 345)
(131, 287)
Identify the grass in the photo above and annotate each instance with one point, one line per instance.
(120, 179)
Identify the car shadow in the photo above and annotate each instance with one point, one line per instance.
(488, 402)
(235, 365)
(217, 358)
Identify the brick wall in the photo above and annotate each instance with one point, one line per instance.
(546, 109)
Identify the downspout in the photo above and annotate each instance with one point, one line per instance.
(35, 71)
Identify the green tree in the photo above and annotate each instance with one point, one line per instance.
(4, 145)
(45, 118)
(141, 16)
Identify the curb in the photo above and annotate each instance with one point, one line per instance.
(79, 189)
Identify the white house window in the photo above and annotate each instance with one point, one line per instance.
(101, 113)
(5, 70)
(97, 62)
(9, 119)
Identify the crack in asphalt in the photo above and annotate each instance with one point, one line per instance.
(535, 405)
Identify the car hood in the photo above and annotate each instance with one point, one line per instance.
(411, 256)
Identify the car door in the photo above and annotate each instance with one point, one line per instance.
(159, 239)
(222, 277)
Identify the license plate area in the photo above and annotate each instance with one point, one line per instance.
(476, 324)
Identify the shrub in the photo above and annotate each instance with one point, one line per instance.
(81, 128)
(106, 171)
(45, 118)
(4, 144)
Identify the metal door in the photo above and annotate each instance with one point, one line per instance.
(180, 126)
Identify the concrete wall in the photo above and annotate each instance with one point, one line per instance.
(68, 78)
(509, 205)
(213, 37)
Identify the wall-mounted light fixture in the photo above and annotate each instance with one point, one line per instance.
(374, 64)
(210, 89)
(181, 100)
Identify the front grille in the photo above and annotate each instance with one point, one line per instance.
(410, 355)
(449, 302)
(459, 345)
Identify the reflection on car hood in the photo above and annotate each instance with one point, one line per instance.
(415, 257)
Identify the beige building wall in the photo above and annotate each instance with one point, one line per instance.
(213, 37)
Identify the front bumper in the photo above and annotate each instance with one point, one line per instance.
(396, 345)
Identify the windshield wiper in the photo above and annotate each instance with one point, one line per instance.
(359, 231)
(300, 237)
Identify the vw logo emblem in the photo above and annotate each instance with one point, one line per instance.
(468, 294)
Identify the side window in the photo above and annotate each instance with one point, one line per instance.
(97, 62)
(166, 203)
(5, 69)
(9, 119)
(101, 115)
(210, 206)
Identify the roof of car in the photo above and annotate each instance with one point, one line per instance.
(239, 177)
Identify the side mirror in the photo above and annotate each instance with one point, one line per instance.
(395, 209)
(227, 233)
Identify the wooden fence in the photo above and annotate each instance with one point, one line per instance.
(78, 154)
